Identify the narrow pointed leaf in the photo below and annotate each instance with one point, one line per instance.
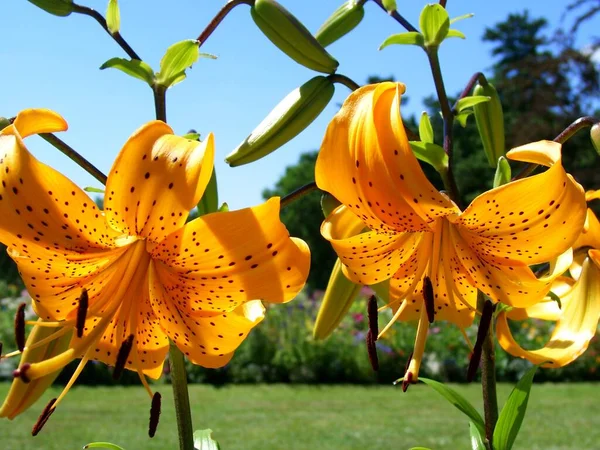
(465, 16)
(106, 445)
(555, 298)
(113, 16)
(467, 102)
(408, 38)
(513, 413)
(432, 154)
(476, 438)
(458, 401)
(425, 129)
(204, 441)
(132, 67)
(503, 172)
(61, 8)
(93, 189)
(455, 33)
(462, 117)
(209, 202)
(176, 60)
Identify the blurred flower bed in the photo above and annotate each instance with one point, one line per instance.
(282, 350)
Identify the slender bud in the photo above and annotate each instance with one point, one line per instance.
(482, 332)
(58, 8)
(595, 136)
(490, 122)
(21, 373)
(372, 314)
(44, 416)
(291, 36)
(428, 298)
(372, 351)
(407, 381)
(122, 357)
(341, 22)
(154, 414)
(20, 327)
(82, 312)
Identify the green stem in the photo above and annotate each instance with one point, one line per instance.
(488, 384)
(74, 156)
(298, 194)
(214, 23)
(343, 79)
(181, 398)
(397, 17)
(160, 102)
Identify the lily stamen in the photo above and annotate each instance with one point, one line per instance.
(82, 312)
(122, 356)
(408, 379)
(44, 416)
(428, 298)
(20, 327)
(39, 343)
(21, 373)
(372, 351)
(154, 414)
(372, 315)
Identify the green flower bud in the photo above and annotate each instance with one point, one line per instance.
(61, 8)
(292, 115)
(328, 203)
(595, 136)
(291, 37)
(340, 23)
(490, 122)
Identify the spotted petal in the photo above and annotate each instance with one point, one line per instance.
(366, 162)
(590, 236)
(156, 180)
(219, 261)
(574, 329)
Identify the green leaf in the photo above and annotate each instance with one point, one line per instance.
(390, 5)
(425, 129)
(513, 412)
(462, 117)
(61, 8)
(93, 189)
(476, 438)
(176, 60)
(113, 17)
(204, 441)
(464, 16)
(192, 136)
(502, 307)
(430, 153)
(408, 38)
(134, 67)
(434, 23)
(209, 202)
(472, 100)
(106, 445)
(419, 448)
(455, 33)
(555, 298)
(503, 172)
(458, 401)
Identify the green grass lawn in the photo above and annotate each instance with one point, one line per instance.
(561, 416)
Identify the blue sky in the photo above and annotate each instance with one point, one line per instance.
(53, 62)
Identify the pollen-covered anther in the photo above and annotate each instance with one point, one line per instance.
(44, 416)
(82, 312)
(21, 373)
(408, 378)
(154, 414)
(372, 315)
(428, 298)
(20, 327)
(372, 350)
(482, 332)
(122, 357)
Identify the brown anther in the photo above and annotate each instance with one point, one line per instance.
(154, 414)
(482, 332)
(82, 312)
(21, 373)
(428, 298)
(122, 357)
(372, 351)
(20, 327)
(407, 381)
(372, 315)
(44, 416)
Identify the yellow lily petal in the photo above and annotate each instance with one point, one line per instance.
(370, 257)
(592, 195)
(218, 261)
(366, 162)
(411, 271)
(207, 341)
(35, 121)
(590, 236)
(574, 329)
(547, 309)
(531, 220)
(42, 208)
(156, 180)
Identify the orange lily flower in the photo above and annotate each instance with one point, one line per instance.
(149, 276)
(579, 312)
(416, 232)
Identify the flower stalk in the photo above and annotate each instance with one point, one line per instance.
(214, 23)
(181, 398)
